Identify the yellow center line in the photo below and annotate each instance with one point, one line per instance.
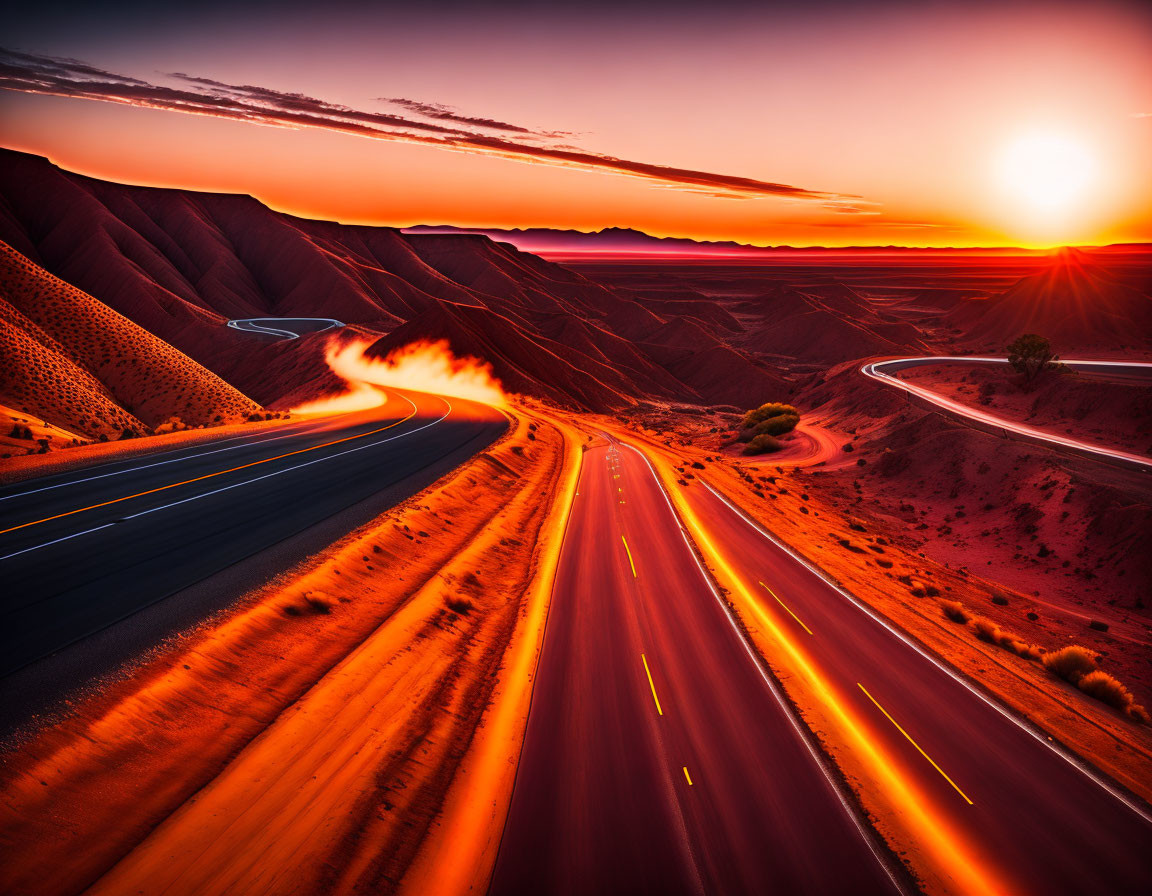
(629, 553)
(785, 606)
(255, 463)
(688, 776)
(916, 745)
(651, 684)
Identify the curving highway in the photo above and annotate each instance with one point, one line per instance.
(101, 563)
(883, 371)
(288, 327)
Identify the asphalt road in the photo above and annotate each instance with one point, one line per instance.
(1134, 371)
(127, 552)
(658, 756)
(1037, 820)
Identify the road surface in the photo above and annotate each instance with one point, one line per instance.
(658, 757)
(123, 554)
(883, 372)
(285, 327)
(1036, 820)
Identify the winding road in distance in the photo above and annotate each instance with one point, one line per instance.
(883, 371)
(101, 563)
(286, 327)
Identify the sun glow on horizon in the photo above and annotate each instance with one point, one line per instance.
(1048, 176)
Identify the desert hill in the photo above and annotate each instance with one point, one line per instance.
(1076, 303)
(181, 264)
(75, 363)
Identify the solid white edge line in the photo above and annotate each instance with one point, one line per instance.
(254, 441)
(1027, 727)
(56, 541)
(871, 370)
(249, 481)
(295, 466)
(789, 711)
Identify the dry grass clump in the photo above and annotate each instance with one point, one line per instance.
(1077, 665)
(1072, 662)
(1108, 690)
(955, 611)
(987, 630)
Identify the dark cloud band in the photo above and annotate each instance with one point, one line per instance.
(436, 124)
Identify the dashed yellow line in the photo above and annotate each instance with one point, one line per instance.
(785, 606)
(652, 684)
(916, 745)
(688, 776)
(629, 553)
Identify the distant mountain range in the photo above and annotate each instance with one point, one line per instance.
(623, 241)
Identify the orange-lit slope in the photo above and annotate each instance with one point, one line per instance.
(75, 362)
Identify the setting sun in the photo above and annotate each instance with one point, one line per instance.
(1047, 172)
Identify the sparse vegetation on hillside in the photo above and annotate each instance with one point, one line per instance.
(760, 426)
(1030, 355)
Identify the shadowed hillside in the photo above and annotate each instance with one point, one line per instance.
(181, 264)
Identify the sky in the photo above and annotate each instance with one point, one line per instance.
(823, 123)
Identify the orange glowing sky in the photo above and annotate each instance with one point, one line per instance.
(822, 124)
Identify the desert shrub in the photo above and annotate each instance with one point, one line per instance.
(173, 424)
(460, 605)
(765, 411)
(1071, 663)
(987, 630)
(1107, 689)
(762, 444)
(955, 611)
(1030, 355)
(776, 426)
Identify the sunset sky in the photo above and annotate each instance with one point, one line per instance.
(823, 123)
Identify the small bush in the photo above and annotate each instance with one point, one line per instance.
(777, 426)
(459, 605)
(765, 411)
(1071, 663)
(987, 630)
(1107, 689)
(955, 611)
(762, 444)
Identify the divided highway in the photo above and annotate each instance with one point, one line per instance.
(883, 371)
(658, 757)
(1030, 817)
(85, 550)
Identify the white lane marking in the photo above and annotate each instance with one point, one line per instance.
(253, 441)
(289, 469)
(872, 370)
(254, 325)
(771, 684)
(951, 673)
(249, 481)
(56, 541)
